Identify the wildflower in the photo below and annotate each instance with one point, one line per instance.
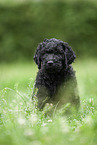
(44, 124)
(21, 121)
(33, 118)
(88, 120)
(91, 100)
(49, 120)
(28, 132)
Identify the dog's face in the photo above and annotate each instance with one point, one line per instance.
(52, 59)
(53, 55)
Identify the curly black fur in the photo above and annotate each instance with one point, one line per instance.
(56, 81)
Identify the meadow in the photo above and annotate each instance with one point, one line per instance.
(21, 123)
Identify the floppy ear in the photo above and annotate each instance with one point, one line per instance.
(37, 55)
(69, 53)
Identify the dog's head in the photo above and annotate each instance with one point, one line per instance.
(54, 55)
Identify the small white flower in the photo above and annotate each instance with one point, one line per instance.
(10, 110)
(36, 142)
(88, 120)
(28, 132)
(21, 103)
(21, 121)
(33, 118)
(49, 120)
(64, 125)
(91, 100)
(14, 101)
(44, 124)
(16, 109)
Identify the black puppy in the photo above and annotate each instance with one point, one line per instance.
(56, 81)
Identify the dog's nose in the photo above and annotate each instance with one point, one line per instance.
(50, 62)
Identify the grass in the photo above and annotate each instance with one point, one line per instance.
(22, 124)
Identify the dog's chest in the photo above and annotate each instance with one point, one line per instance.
(54, 83)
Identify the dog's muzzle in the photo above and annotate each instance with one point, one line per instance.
(52, 67)
(50, 63)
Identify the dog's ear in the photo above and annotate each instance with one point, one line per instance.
(37, 55)
(69, 53)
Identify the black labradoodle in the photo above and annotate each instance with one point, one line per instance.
(56, 80)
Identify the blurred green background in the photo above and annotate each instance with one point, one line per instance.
(24, 24)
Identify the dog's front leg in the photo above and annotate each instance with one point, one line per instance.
(43, 96)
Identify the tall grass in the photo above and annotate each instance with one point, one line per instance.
(22, 124)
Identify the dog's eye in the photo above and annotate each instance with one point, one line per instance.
(44, 56)
(58, 56)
